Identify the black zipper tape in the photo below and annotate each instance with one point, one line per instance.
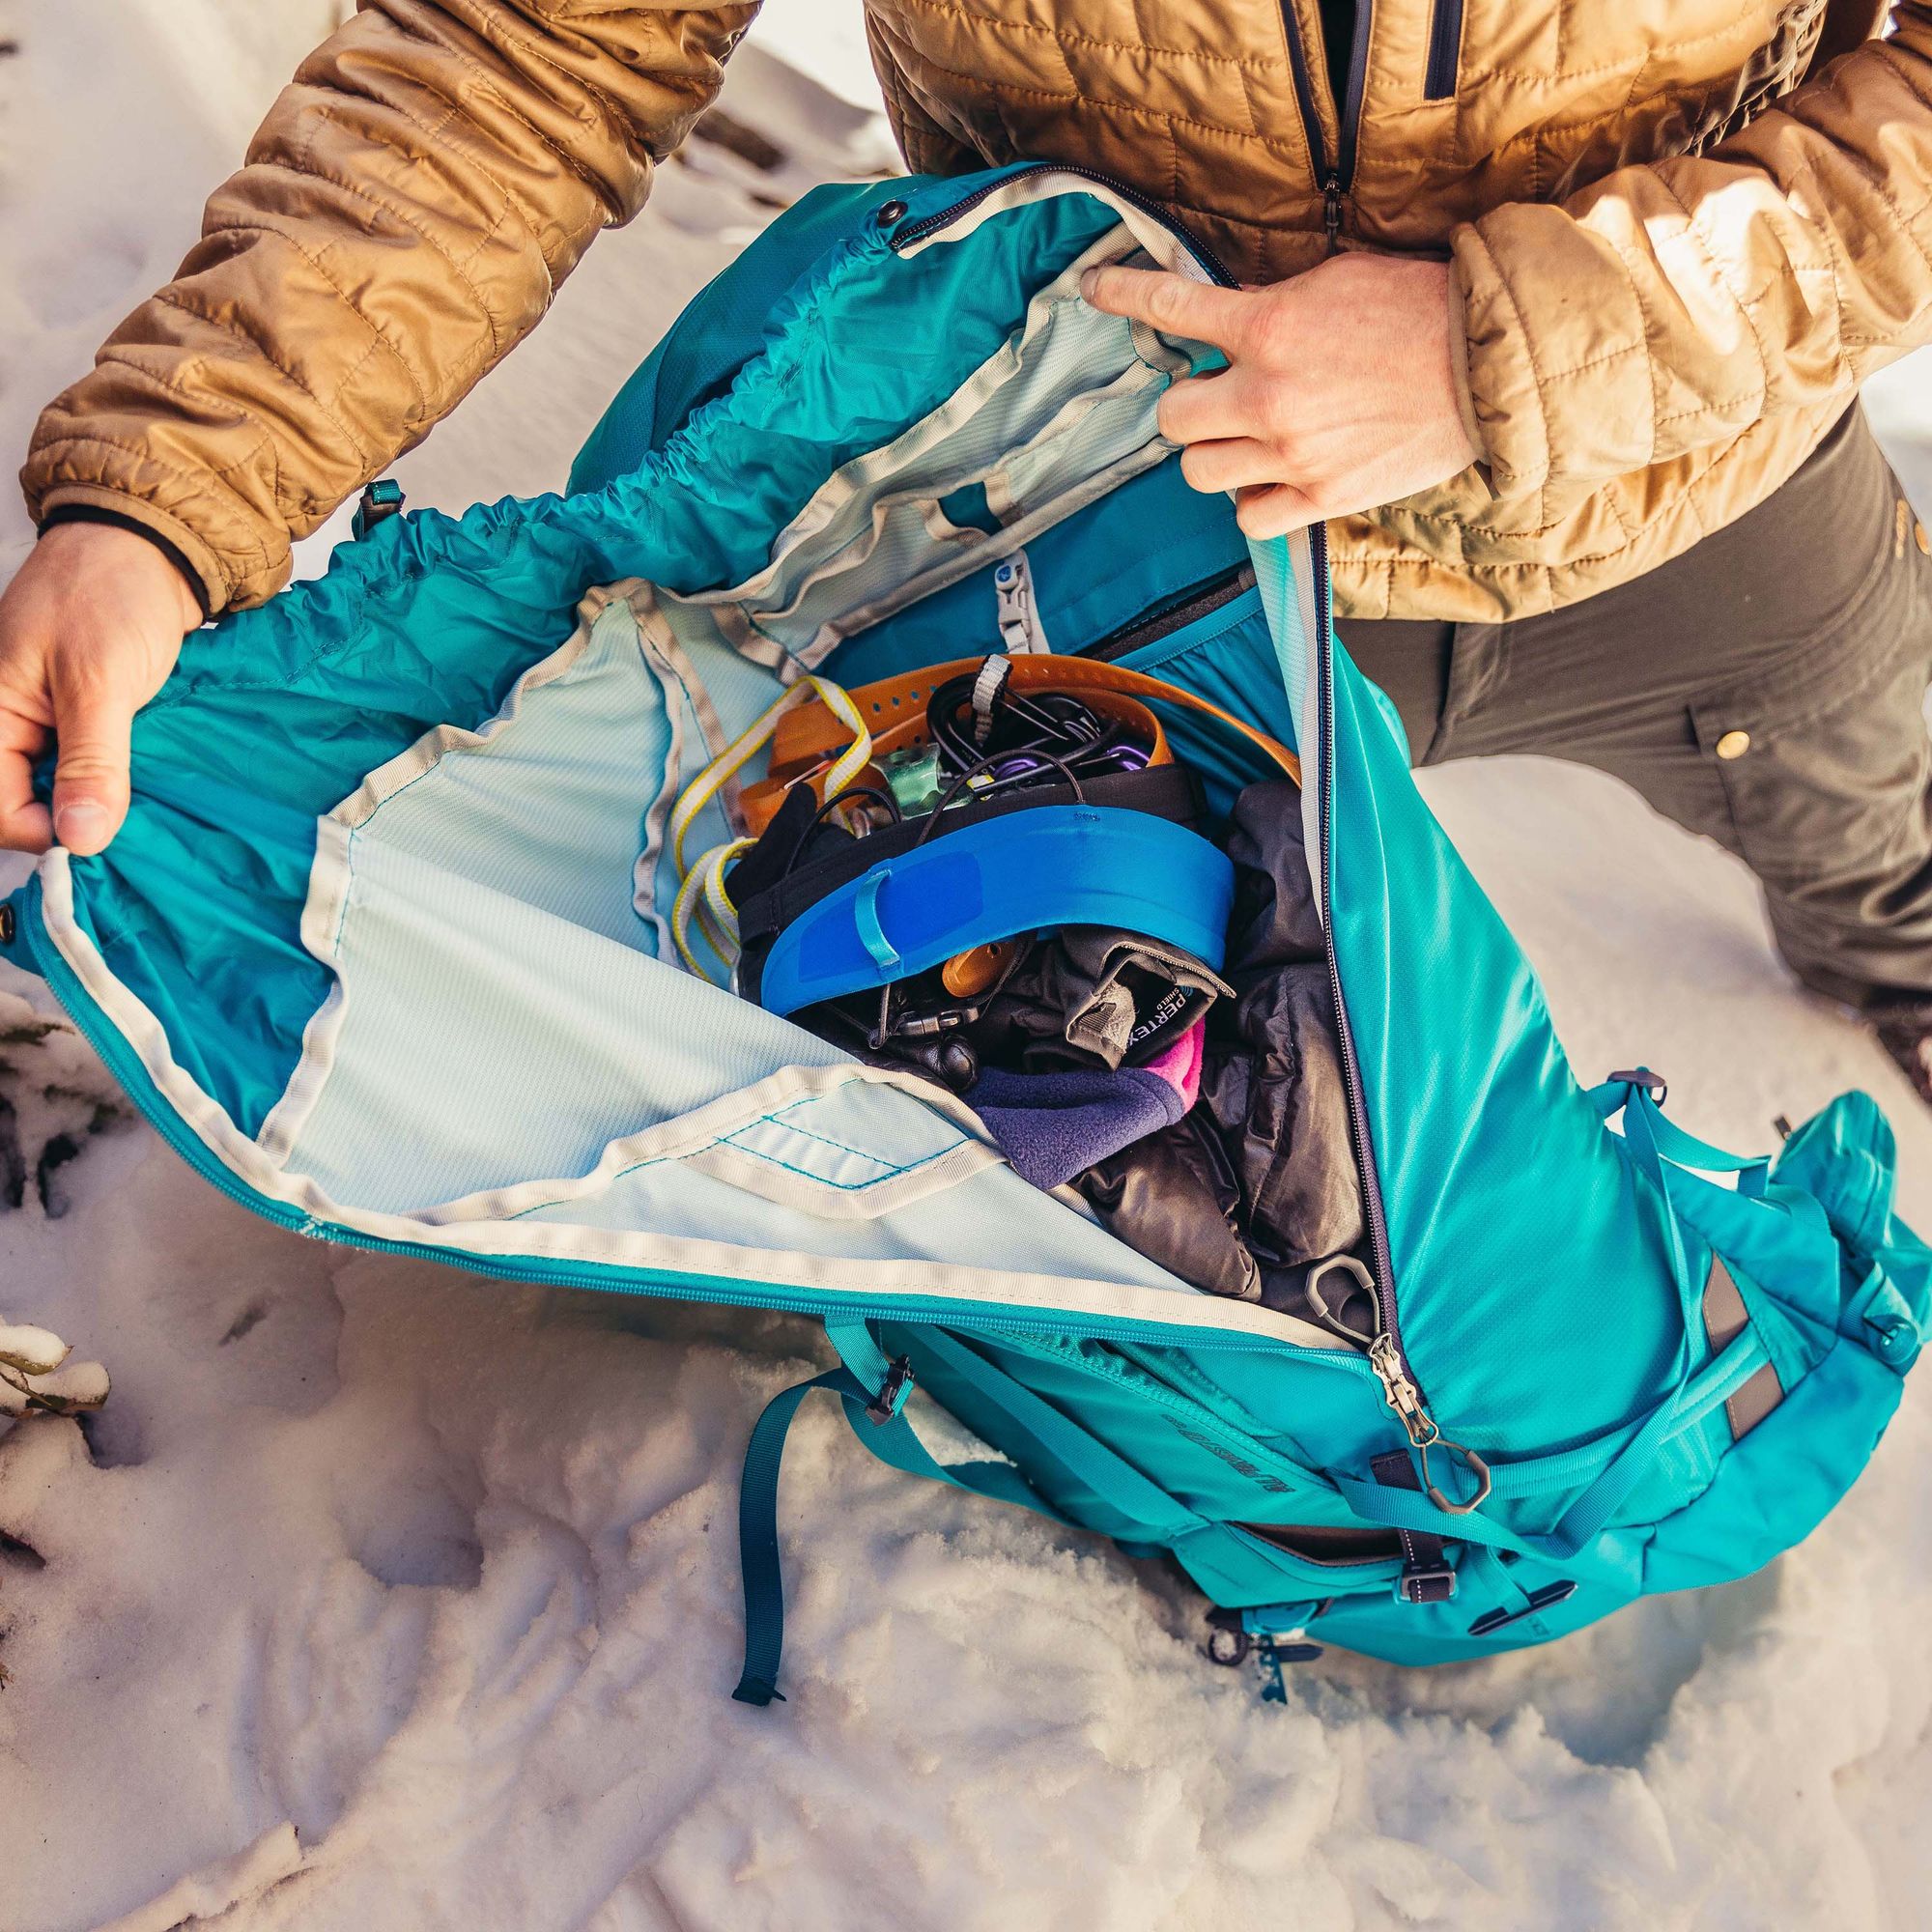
(1304, 94)
(1172, 613)
(1352, 108)
(1445, 50)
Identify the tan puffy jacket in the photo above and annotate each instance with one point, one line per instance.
(1681, 235)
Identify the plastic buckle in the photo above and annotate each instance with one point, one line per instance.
(1426, 1586)
(1228, 1642)
(893, 1392)
(380, 501)
(1653, 1084)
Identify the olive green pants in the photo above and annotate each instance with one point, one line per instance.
(1766, 689)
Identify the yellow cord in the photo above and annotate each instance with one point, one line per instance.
(701, 898)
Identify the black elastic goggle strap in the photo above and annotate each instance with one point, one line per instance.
(1163, 791)
(1426, 1578)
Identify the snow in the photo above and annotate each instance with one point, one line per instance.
(383, 1596)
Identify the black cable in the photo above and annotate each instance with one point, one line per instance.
(832, 803)
(1066, 731)
(1056, 716)
(964, 781)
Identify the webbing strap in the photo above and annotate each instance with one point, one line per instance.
(758, 1533)
(1425, 1578)
(858, 1348)
(1653, 1142)
(1714, 1383)
(1623, 1459)
(896, 1442)
(1158, 1515)
(1660, 1138)
(893, 1442)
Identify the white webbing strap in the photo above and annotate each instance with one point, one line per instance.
(701, 898)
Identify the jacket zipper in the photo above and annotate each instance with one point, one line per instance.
(1445, 50)
(1299, 72)
(1335, 178)
(1351, 108)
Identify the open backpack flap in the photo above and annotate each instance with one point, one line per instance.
(386, 952)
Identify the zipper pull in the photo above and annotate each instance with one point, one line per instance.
(1405, 1398)
(1331, 209)
(1398, 1392)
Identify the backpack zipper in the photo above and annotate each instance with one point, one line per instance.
(1352, 108)
(1386, 1356)
(1171, 614)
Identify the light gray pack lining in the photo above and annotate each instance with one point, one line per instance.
(1061, 413)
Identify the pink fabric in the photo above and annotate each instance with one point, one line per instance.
(1180, 1065)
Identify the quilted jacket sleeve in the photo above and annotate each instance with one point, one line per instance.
(1673, 305)
(405, 213)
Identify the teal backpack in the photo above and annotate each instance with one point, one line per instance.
(383, 953)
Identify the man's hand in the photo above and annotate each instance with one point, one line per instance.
(1339, 394)
(89, 630)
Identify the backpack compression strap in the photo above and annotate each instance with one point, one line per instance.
(874, 1399)
(874, 1391)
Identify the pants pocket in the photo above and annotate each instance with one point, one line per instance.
(1825, 763)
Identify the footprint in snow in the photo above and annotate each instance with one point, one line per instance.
(56, 1099)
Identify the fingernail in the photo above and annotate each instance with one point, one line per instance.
(1088, 282)
(81, 826)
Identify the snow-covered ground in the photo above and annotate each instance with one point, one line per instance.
(386, 1598)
